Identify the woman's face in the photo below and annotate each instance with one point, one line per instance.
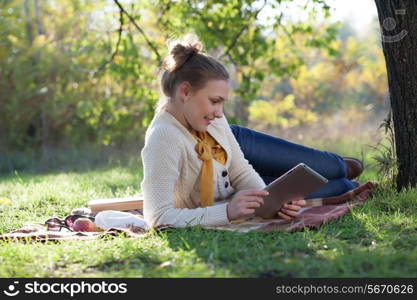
(201, 107)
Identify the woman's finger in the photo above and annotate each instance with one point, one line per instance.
(292, 207)
(255, 192)
(300, 202)
(283, 216)
(289, 212)
(254, 199)
(252, 204)
(248, 211)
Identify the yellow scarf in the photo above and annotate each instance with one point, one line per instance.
(207, 148)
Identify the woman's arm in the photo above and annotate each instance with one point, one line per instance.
(163, 158)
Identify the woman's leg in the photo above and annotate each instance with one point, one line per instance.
(271, 157)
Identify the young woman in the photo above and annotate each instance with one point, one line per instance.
(199, 170)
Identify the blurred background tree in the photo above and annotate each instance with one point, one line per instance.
(78, 72)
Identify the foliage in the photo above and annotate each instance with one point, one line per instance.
(82, 72)
(354, 75)
(281, 112)
(385, 157)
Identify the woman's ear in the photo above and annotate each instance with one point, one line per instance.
(184, 91)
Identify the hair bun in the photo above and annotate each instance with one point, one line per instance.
(181, 52)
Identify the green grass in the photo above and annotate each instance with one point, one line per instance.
(377, 239)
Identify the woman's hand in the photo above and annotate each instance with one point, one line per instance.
(244, 203)
(291, 210)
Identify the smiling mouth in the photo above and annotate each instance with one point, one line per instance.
(208, 120)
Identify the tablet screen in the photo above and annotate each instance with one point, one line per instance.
(297, 183)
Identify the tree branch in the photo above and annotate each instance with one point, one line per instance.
(204, 19)
(245, 27)
(116, 50)
(288, 34)
(152, 46)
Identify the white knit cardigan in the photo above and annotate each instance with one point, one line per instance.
(171, 174)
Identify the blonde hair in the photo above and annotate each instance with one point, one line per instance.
(187, 62)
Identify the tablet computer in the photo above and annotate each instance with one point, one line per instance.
(297, 183)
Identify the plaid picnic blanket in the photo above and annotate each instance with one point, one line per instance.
(316, 213)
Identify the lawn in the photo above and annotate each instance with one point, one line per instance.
(377, 239)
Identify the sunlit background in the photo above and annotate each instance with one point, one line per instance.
(81, 76)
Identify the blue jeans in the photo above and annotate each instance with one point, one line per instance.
(271, 157)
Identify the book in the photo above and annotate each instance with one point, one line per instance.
(121, 204)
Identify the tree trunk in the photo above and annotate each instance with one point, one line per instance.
(241, 111)
(38, 19)
(28, 21)
(398, 20)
